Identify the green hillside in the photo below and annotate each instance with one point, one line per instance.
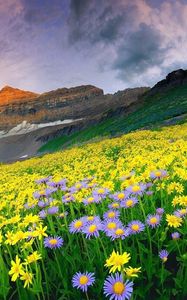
(155, 111)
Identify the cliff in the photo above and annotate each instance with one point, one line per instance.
(73, 103)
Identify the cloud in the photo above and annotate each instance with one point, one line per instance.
(136, 36)
(140, 50)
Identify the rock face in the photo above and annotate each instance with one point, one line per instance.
(61, 104)
(173, 79)
(11, 95)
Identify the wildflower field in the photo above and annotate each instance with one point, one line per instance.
(106, 220)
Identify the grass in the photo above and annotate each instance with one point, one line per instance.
(153, 112)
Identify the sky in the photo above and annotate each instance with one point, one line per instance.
(50, 44)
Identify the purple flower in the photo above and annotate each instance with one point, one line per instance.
(181, 213)
(83, 280)
(90, 219)
(76, 225)
(119, 233)
(136, 189)
(120, 196)
(163, 254)
(116, 288)
(92, 199)
(53, 210)
(175, 235)
(160, 211)
(153, 220)
(111, 225)
(101, 192)
(130, 202)
(92, 230)
(149, 193)
(43, 180)
(158, 174)
(53, 242)
(42, 214)
(136, 227)
(111, 214)
(114, 205)
(67, 198)
(41, 204)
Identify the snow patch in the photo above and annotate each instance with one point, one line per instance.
(26, 127)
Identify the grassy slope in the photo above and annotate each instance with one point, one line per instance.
(155, 110)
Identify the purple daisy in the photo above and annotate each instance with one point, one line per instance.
(42, 214)
(116, 288)
(136, 189)
(181, 213)
(136, 227)
(101, 192)
(92, 199)
(130, 202)
(119, 233)
(158, 174)
(76, 225)
(92, 230)
(110, 225)
(43, 180)
(68, 198)
(53, 242)
(120, 196)
(90, 219)
(163, 254)
(111, 214)
(175, 235)
(114, 205)
(83, 280)
(153, 220)
(53, 210)
(160, 211)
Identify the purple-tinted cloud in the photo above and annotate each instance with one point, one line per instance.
(49, 44)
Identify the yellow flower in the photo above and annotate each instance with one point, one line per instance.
(27, 277)
(116, 261)
(40, 231)
(132, 272)
(173, 221)
(16, 269)
(33, 257)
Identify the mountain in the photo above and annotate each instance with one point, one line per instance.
(80, 102)
(64, 117)
(9, 95)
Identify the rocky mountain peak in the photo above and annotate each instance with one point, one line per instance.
(9, 95)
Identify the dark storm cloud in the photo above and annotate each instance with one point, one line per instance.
(96, 21)
(139, 51)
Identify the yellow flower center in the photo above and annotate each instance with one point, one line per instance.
(115, 205)
(101, 191)
(78, 224)
(90, 218)
(78, 185)
(118, 288)
(83, 279)
(92, 228)
(111, 214)
(153, 220)
(129, 202)
(158, 173)
(53, 242)
(111, 225)
(135, 227)
(136, 188)
(119, 231)
(121, 196)
(91, 199)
